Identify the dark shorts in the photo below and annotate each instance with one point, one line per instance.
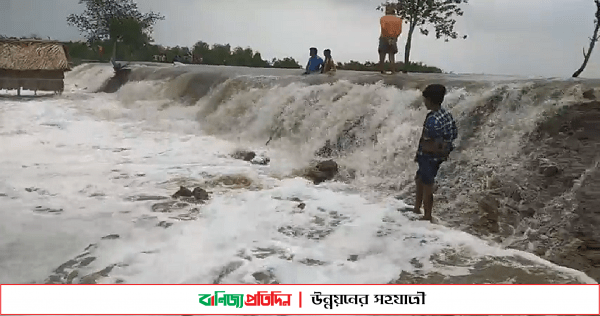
(428, 169)
(388, 45)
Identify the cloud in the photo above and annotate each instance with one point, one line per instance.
(44, 18)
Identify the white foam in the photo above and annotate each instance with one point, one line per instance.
(86, 154)
(88, 77)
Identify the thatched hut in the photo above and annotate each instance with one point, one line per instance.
(33, 65)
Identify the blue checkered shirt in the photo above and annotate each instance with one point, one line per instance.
(439, 125)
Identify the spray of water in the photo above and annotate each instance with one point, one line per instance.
(176, 126)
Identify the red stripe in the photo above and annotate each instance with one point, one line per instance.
(300, 299)
(212, 301)
(0, 299)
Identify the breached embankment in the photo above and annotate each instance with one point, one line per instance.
(550, 204)
(522, 174)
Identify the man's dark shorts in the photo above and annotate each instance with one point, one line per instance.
(388, 45)
(428, 169)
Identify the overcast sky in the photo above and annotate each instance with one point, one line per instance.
(518, 37)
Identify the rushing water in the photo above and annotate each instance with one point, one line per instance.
(86, 178)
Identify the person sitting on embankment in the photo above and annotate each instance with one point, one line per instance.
(315, 63)
(329, 65)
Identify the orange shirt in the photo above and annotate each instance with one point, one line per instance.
(391, 26)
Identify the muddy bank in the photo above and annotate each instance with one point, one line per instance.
(546, 200)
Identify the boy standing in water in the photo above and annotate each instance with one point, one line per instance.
(439, 131)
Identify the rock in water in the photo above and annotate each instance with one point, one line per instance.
(323, 171)
(526, 211)
(244, 155)
(111, 236)
(260, 161)
(549, 171)
(328, 166)
(183, 191)
(488, 207)
(200, 194)
(589, 94)
(326, 151)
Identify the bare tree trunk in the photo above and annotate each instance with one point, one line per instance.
(593, 40)
(408, 46)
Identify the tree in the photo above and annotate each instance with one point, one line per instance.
(32, 36)
(201, 48)
(220, 54)
(593, 40)
(128, 31)
(200, 51)
(371, 66)
(95, 21)
(178, 53)
(81, 50)
(440, 14)
(241, 57)
(287, 62)
(257, 61)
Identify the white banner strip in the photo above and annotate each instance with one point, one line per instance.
(219, 299)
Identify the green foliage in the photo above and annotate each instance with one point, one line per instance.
(287, 62)
(32, 36)
(98, 18)
(80, 50)
(439, 14)
(128, 31)
(203, 53)
(371, 66)
(176, 51)
(221, 54)
(258, 61)
(132, 42)
(201, 49)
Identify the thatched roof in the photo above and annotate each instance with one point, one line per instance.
(32, 55)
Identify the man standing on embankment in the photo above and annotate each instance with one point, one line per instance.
(391, 28)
